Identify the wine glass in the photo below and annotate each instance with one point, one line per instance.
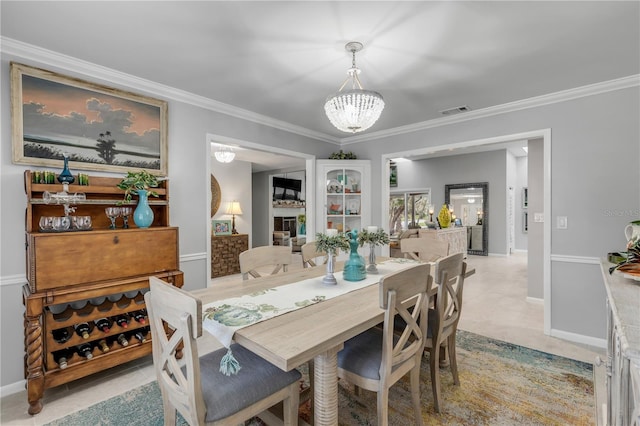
(125, 212)
(112, 213)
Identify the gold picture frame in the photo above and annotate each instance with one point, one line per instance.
(97, 127)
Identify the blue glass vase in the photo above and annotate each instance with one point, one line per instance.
(65, 176)
(355, 266)
(143, 215)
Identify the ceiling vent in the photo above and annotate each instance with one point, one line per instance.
(455, 110)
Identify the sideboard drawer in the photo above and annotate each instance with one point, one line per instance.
(67, 259)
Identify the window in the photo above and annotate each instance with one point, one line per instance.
(409, 210)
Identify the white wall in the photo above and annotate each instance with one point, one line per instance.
(521, 182)
(235, 185)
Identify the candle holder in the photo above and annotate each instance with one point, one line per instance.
(330, 244)
(374, 237)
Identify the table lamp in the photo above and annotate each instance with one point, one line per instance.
(234, 209)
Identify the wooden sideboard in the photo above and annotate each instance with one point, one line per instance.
(623, 348)
(225, 252)
(78, 277)
(456, 237)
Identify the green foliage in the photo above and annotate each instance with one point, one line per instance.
(135, 181)
(331, 244)
(377, 238)
(302, 218)
(341, 155)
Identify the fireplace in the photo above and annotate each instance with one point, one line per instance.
(285, 223)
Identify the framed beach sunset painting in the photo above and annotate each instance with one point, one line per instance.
(96, 127)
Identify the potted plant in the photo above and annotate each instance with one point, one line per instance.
(373, 237)
(140, 184)
(330, 244)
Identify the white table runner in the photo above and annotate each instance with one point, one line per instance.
(223, 317)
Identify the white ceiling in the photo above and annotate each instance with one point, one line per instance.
(282, 59)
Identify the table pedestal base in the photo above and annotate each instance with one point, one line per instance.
(326, 387)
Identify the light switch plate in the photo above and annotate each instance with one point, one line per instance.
(561, 222)
(538, 217)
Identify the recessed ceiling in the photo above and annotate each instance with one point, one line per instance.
(282, 59)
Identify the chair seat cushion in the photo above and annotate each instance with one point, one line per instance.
(257, 379)
(362, 354)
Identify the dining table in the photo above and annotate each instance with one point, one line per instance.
(314, 333)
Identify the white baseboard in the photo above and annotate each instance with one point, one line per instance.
(12, 388)
(580, 338)
(536, 300)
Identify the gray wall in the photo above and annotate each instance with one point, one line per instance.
(521, 241)
(535, 251)
(595, 182)
(435, 173)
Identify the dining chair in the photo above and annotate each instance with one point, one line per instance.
(309, 254)
(198, 391)
(443, 319)
(376, 359)
(277, 256)
(425, 249)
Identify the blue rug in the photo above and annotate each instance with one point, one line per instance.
(501, 384)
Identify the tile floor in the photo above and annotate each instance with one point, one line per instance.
(495, 305)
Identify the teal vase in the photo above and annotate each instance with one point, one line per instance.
(303, 229)
(143, 215)
(354, 267)
(65, 176)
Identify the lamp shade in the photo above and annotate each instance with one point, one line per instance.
(234, 208)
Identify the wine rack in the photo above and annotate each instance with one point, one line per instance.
(65, 270)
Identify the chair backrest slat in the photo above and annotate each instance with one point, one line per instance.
(277, 256)
(395, 290)
(309, 254)
(449, 278)
(426, 249)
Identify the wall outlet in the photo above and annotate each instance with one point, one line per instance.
(538, 217)
(561, 222)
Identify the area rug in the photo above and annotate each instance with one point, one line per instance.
(500, 384)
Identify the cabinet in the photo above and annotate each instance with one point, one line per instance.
(225, 253)
(343, 195)
(77, 277)
(623, 348)
(456, 237)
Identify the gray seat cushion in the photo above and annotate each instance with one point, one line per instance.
(257, 379)
(362, 354)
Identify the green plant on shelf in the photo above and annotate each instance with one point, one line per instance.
(136, 181)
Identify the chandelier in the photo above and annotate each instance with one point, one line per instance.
(354, 110)
(225, 154)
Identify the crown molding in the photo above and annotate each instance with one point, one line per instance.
(74, 65)
(537, 101)
(77, 66)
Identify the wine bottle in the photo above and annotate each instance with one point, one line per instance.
(83, 329)
(84, 350)
(102, 344)
(141, 335)
(122, 339)
(79, 304)
(61, 335)
(140, 316)
(103, 324)
(95, 301)
(59, 308)
(122, 321)
(61, 357)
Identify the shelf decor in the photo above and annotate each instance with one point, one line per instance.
(331, 243)
(140, 183)
(373, 236)
(136, 137)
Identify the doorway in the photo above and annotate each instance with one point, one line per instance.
(263, 158)
(539, 245)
